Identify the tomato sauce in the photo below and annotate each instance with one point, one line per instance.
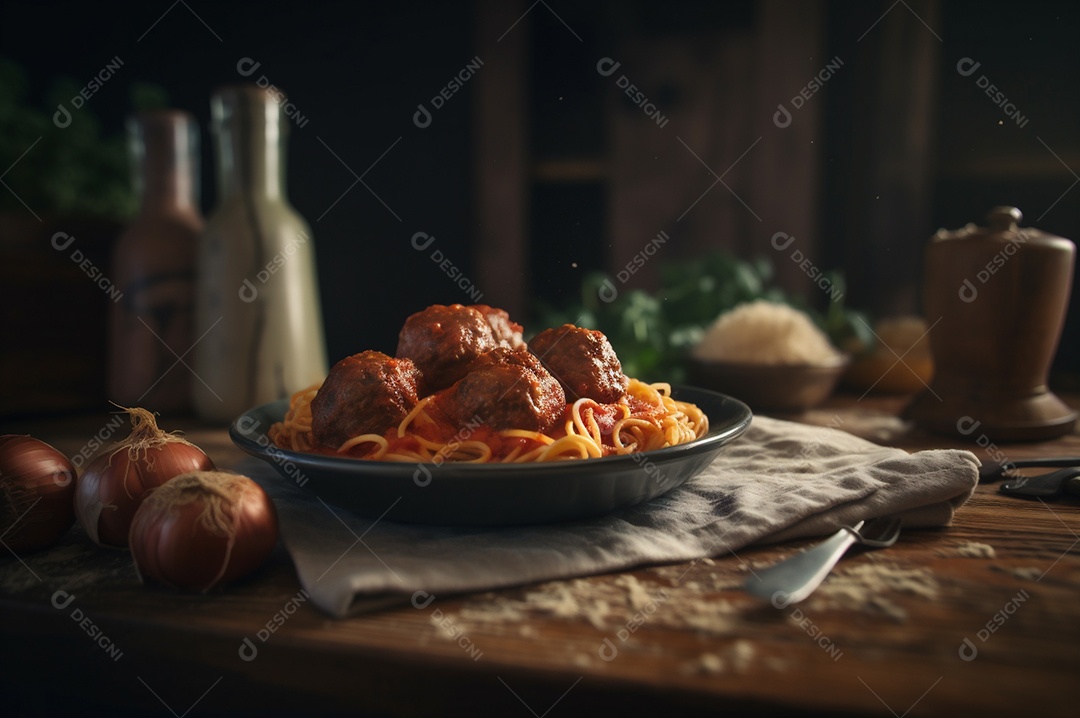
(440, 430)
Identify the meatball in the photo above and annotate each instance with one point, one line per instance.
(443, 341)
(506, 389)
(517, 357)
(583, 362)
(365, 393)
(507, 333)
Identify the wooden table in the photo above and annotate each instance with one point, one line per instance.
(982, 618)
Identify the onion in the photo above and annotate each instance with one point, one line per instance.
(203, 529)
(36, 486)
(112, 486)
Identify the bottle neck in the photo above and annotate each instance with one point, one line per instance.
(165, 148)
(250, 143)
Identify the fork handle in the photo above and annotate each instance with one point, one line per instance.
(793, 579)
(996, 470)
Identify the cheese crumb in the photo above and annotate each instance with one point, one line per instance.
(1024, 573)
(738, 655)
(971, 549)
(711, 663)
(868, 587)
(742, 653)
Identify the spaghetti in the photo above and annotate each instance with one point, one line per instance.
(647, 418)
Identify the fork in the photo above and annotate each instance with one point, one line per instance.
(795, 578)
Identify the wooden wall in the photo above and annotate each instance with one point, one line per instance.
(847, 172)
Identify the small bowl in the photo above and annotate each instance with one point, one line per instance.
(769, 387)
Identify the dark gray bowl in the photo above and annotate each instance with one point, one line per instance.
(494, 494)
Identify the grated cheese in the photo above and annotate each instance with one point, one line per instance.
(764, 332)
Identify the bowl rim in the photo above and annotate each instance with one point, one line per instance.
(255, 441)
(841, 361)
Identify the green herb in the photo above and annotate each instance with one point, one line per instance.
(652, 332)
(147, 96)
(72, 170)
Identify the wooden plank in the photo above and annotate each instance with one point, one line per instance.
(500, 139)
(664, 171)
(785, 166)
(881, 220)
(719, 174)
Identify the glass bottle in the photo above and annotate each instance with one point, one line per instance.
(153, 265)
(258, 320)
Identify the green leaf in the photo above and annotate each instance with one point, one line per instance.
(73, 170)
(148, 96)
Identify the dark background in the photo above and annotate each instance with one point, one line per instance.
(357, 71)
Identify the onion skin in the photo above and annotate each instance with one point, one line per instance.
(37, 484)
(113, 484)
(202, 530)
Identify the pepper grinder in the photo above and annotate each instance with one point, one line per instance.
(996, 297)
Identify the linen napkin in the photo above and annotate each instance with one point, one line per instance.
(779, 481)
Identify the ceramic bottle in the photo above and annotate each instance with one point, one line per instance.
(258, 316)
(153, 266)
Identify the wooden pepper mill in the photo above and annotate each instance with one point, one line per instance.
(996, 298)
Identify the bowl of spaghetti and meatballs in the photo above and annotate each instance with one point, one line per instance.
(464, 395)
